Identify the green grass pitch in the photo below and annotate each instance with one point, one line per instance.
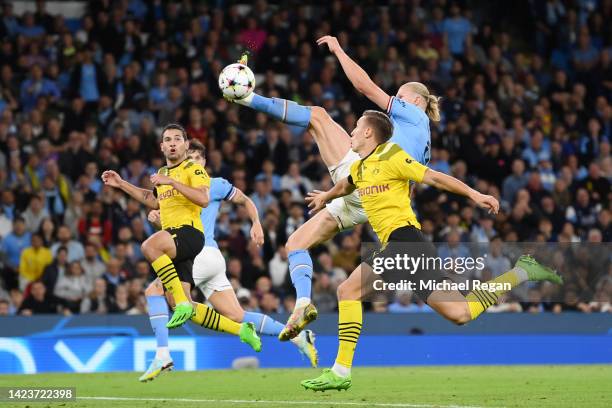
(421, 387)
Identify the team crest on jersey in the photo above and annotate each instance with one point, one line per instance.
(376, 171)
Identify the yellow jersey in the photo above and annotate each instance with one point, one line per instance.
(33, 262)
(381, 180)
(174, 208)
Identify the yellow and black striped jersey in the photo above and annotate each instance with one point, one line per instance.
(174, 208)
(381, 180)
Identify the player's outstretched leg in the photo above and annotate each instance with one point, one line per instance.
(158, 316)
(332, 140)
(526, 268)
(450, 305)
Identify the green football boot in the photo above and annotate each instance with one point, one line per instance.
(248, 335)
(536, 271)
(327, 381)
(182, 313)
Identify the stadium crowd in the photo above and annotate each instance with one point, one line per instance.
(526, 118)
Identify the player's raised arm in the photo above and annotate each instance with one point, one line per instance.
(358, 77)
(453, 185)
(257, 234)
(317, 199)
(144, 196)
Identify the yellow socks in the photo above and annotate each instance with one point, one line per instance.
(207, 317)
(164, 268)
(480, 300)
(349, 329)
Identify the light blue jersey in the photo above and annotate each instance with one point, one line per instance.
(410, 129)
(220, 190)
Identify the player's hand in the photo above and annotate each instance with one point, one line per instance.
(488, 202)
(316, 201)
(154, 216)
(161, 180)
(331, 42)
(111, 178)
(257, 234)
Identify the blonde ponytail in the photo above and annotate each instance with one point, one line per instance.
(432, 108)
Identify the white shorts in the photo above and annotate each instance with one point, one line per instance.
(347, 210)
(209, 271)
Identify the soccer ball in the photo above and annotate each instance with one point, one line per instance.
(236, 81)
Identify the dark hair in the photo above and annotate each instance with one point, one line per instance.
(197, 146)
(175, 126)
(380, 122)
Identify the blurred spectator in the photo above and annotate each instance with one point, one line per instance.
(11, 247)
(294, 220)
(514, 182)
(4, 307)
(113, 276)
(262, 196)
(75, 248)
(404, 303)
(496, 261)
(457, 30)
(326, 265)
(72, 287)
(97, 301)
(86, 79)
(34, 214)
(278, 268)
(120, 302)
(36, 86)
(348, 255)
(296, 183)
(56, 269)
(33, 262)
(93, 267)
(270, 303)
(324, 293)
(584, 213)
(39, 301)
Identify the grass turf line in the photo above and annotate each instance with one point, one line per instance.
(473, 386)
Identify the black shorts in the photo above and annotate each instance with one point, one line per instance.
(189, 242)
(419, 248)
(184, 270)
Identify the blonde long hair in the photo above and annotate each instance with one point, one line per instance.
(432, 109)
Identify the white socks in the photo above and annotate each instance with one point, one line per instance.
(301, 302)
(340, 370)
(521, 274)
(163, 353)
